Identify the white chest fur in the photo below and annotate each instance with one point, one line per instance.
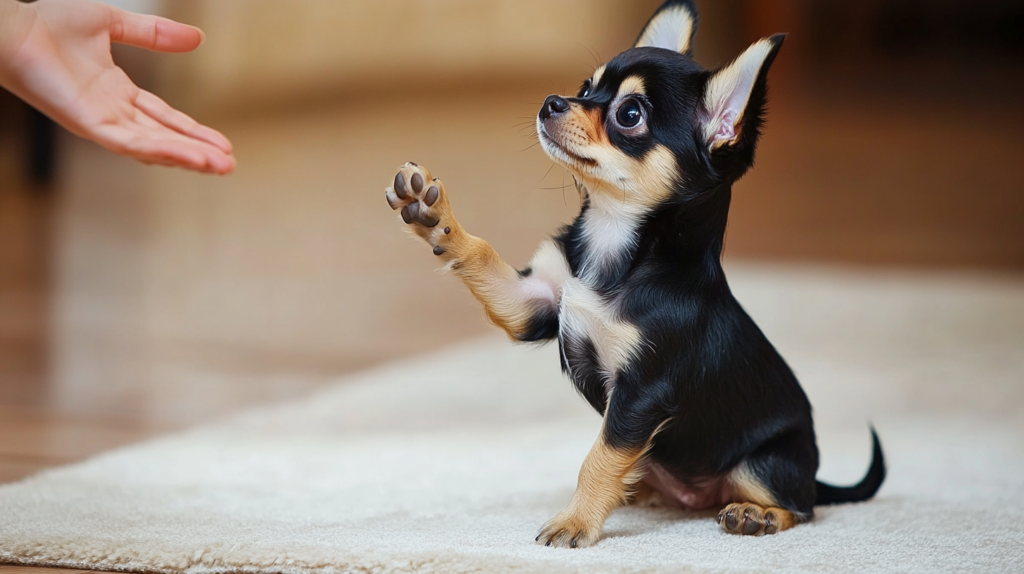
(586, 316)
(609, 231)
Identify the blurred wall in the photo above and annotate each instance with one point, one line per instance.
(265, 52)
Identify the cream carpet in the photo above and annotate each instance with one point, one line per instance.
(450, 462)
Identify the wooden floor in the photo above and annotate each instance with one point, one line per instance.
(34, 435)
(34, 570)
(853, 183)
(39, 430)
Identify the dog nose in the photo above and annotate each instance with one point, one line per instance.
(553, 105)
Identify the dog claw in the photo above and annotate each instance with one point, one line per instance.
(731, 521)
(441, 251)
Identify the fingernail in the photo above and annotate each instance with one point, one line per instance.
(202, 37)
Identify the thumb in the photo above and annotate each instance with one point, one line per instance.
(153, 32)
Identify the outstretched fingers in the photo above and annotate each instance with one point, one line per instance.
(156, 144)
(158, 133)
(180, 122)
(153, 32)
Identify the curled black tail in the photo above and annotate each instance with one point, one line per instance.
(865, 489)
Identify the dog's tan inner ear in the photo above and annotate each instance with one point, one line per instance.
(727, 94)
(671, 28)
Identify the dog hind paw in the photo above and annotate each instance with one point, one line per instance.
(753, 520)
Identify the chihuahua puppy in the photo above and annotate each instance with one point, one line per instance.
(700, 411)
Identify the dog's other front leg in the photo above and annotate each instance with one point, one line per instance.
(610, 472)
(523, 303)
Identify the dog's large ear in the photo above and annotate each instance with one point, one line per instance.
(735, 96)
(672, 27)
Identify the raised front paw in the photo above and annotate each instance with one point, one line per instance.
(423, 204)
(570, 530)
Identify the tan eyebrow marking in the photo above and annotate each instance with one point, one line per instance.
(596, 79)
(632, 85)
(594, 126)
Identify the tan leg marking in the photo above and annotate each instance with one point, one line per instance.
(509, 300)
(603, 486)
(746, 486)
(607, 480)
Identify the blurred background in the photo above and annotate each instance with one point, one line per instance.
(135, 300)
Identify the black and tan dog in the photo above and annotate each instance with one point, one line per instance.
(699, 409)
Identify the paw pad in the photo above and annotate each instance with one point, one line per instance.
(417, 202)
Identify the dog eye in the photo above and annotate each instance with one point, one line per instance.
(630, 114)
(585, 90)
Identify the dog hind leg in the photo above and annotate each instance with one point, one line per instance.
(773, 489)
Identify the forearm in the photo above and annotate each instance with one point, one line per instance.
(524, 304)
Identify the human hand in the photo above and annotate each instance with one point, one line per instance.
(55, 55)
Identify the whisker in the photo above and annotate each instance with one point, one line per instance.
(548, 171)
